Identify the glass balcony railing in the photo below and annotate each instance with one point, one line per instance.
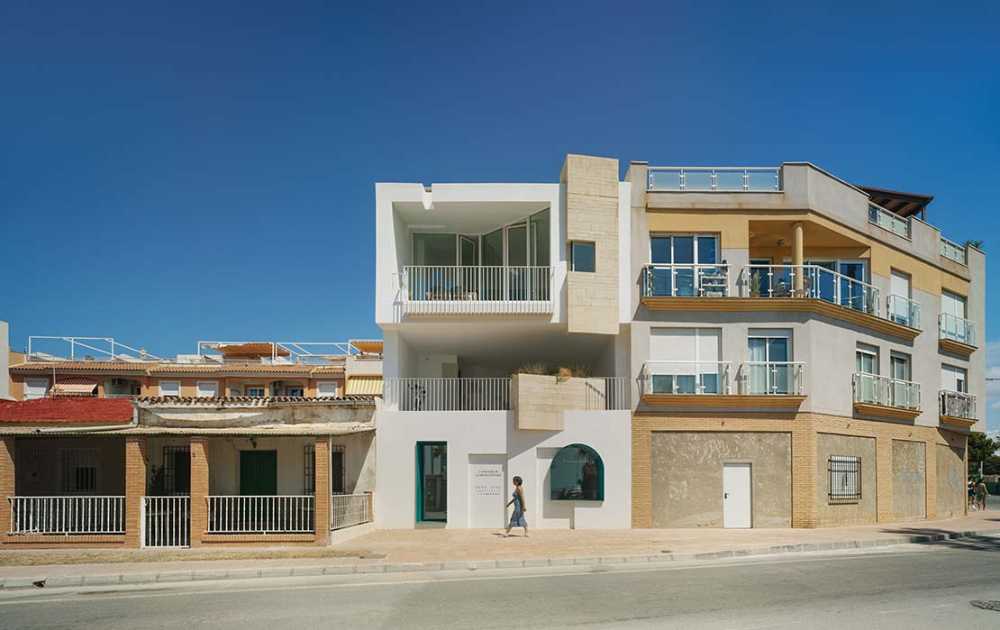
(682, 280)
(957, 328)
(887, 220)
(713, 179)
(781, 281)
(772, 378)
(957, 404)
(685, 377)
(872, 389)
(903, 311)
(953, 251)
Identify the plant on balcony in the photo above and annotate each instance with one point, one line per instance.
(754, 285)
(577, 370)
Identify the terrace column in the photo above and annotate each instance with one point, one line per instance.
(7, 478)
(199, 489)
(798, 255)
(136, 461)
(321, 484)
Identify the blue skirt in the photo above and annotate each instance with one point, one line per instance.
(517, 519)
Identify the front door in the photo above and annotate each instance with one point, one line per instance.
(736, 495)
(432, 481)
(258, 472)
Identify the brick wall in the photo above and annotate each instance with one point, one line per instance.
(199, 490)
(136, 461)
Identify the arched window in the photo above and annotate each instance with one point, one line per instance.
(577, 474)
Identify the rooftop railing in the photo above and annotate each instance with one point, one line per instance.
(957, 404)
(713, 179)
(888, 220)
(883, 391)
(953, 251)
(957, 328)
(685, 280)
(779, 281)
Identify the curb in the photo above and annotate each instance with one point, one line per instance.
(168, 577)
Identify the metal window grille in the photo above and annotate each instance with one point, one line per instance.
(845, 478)
(309, 470)
(176, 481)
(79, 472)
(338, 471)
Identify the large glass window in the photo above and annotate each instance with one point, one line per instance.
(769, 370)
(434, 249)
(538, 236)
(685, 361)
(576, 473)
(679, 251)
(866, 364)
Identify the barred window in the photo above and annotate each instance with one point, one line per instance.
(309, 470)
(176, 470)
(845, 478)
(79, 470)
(338, 471)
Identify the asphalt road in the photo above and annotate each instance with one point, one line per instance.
(918, 588)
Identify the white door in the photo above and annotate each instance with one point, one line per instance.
(736, 495)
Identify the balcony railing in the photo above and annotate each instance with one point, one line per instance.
(714, 179)
(608, 393)
(957, 329)
(443, 289)
(772, 378)
(347, 510)
(447, 394)
(953, 251)
(778, 281)
(67, 515)
(260, 514)
(903, 311)
(957, 404)
(888, 220)
(685, 377)
(872, 389)
(685, 280)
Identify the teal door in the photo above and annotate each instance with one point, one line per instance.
(258, 472)
(432, 481)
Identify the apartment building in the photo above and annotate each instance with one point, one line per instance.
(239, 443)
(690, 347)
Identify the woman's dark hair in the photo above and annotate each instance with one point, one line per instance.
(518, 481)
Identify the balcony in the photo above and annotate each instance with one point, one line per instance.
(953, 251)
(713, 179)
(903, 310)
(876, 395)
(460, 290)
(888, 220)
(447, 394)
(956, 334)
(684, 280)
(709, 384)
(957, 408)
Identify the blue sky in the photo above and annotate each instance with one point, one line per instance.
(175, 173)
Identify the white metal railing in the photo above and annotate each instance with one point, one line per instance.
(953, 251)
(873, 389)
(957, 404)
(347, 510)
(67, 515)
(685, 377)
(888, 220)
(447, 394)
(103, 348)
(903, 310)
(166, 521)
(607, 393)
(260, 514)
(685, 280)
(957, 329)
(425, 283)
(776, 281)
(772, 378)
(714, 179)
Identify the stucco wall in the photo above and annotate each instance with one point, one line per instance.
(909, 479)
(951, 493)
(837, 514)
(687, 477)
(40, 464)
(359, 460)
(224, 462)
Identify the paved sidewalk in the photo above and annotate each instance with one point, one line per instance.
(443, 549)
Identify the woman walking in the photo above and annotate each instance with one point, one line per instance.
(517, 499)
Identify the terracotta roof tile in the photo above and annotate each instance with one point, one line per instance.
(66, 411)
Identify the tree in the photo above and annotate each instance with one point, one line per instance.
(981, 449)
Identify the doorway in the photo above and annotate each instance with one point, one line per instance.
(258, 473)
(736, 496)
(432, 482)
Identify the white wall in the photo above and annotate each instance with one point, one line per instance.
(224, 462)
(4, 361)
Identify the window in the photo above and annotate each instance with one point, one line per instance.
(326, 389)
(866, 365)
(79, 470)
(582, 256)
(684, 250)
(295, 391)
(35, 388)
(685, 361)
(309, 470)
(844, 478)
(954, 325)
(954, 379)
(208, 389)
(170, 388)
(577, 473)
(900, 309)
(899, 365)
(866, 359)
(904, 394)
(254, 391)
(338, 470)
(176, 470)
(769, 370)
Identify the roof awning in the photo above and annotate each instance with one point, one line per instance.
(73, 389)
(364, 386)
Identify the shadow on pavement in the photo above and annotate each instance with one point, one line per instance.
(946, 538)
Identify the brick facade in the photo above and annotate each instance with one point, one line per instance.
(136, 461)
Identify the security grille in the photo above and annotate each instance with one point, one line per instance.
(176, 470)
(845, 478)
(308, 472)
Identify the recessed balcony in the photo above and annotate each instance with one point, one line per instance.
(876, 395)
(767, 385)
(956, 334)
(957, 408)
(464, 290)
